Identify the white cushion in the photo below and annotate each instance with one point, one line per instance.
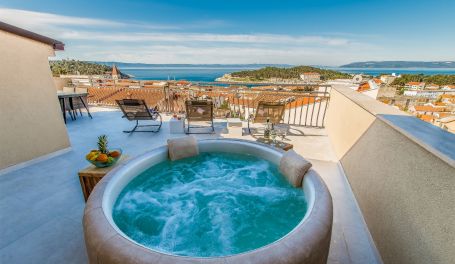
(293, 167)
(184, 147)
(200, 110)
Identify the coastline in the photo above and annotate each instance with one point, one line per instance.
(211, 74)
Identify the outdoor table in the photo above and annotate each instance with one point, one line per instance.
(61, 97)
(234, 122)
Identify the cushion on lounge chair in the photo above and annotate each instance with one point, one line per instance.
(293, 167)
(184, 147)
(200, 110)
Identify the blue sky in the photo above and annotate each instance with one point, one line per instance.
(294, 32)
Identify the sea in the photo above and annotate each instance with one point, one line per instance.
(208, 73)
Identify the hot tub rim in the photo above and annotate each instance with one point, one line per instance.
(313, 186)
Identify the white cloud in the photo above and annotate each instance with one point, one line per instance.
(153, 43)
(218, 54)
(64, 27)
(39, 20)
(24, 18)
(202, 37)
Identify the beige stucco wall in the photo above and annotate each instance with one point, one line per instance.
(59, 83)
(405, 192)
(30, 117)
(345, 122)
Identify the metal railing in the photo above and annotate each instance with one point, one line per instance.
(303, 108)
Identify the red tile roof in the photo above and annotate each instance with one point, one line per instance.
(416, 83)
(427, 118)
(310, 73)
(428, 108)
(115, 71)
(363, 87)
(442, 115)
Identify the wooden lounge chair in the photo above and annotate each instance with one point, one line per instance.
(274, 111)
(137, 110)
(199, 111)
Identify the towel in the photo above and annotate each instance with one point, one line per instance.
(184, 147)
(293, 167)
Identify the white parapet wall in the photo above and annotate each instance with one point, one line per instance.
(401, 171)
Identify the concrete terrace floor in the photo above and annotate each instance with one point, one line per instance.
(41, 205)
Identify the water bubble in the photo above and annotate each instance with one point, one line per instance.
(214, 204)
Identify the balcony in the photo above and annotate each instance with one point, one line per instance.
(390, 176)
(42, 203)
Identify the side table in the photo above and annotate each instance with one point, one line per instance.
(234, 122)
(91, 175)
(176, 126)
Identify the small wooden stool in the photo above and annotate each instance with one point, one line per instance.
(91, 175)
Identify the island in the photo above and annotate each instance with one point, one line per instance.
(400, 64)
(290, 75)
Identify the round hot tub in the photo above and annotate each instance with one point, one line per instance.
(230, 204)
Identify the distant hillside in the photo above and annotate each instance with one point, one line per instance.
(429, 79)
(401, 64)
(288, 73)
(151, 65)
(59, 67)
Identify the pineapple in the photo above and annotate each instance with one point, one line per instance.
(102, 144)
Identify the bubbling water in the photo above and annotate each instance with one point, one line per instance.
(214, 204)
